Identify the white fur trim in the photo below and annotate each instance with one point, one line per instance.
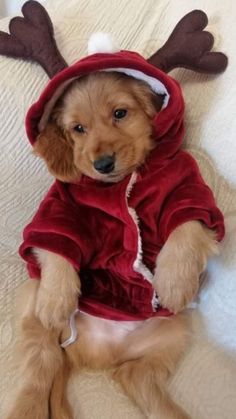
(73, 330)
(102, 42)
(138, 263)
(155, 301)
(156, 85)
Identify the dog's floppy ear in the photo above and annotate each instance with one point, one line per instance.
(56, 149)
(150, 102)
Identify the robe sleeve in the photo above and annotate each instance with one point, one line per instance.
(56, 228)
(191, 199)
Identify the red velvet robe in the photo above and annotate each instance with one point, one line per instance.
(112, 233)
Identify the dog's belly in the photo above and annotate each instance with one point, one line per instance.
(104, 343)
(103, 330)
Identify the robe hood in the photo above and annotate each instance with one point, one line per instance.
(167, 124)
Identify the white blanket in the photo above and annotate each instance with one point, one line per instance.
(206, 380)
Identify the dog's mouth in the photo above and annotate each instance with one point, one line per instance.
(114, 177)
(118, 175)
(111, 177)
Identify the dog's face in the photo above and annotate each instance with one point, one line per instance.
(101, 127)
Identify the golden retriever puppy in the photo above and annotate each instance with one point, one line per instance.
(102, 128)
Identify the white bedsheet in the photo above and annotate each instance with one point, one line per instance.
(206, 380)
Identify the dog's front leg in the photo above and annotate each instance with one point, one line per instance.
(180, 263)
(58, 291)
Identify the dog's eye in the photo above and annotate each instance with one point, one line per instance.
(79, 128)
(119, 113)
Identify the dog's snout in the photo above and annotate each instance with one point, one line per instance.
(105, 164)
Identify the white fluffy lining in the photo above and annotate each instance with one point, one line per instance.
(156, 85)
(138, 263)
(73, 330)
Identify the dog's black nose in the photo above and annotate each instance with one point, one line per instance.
(105, 164)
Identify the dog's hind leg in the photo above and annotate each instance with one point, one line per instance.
(59, 405)
(156, 351)
(139, 382)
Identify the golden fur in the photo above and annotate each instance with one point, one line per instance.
(144, 355)
(91, 102)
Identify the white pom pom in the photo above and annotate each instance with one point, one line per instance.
(102, 42)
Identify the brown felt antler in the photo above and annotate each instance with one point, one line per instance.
(32, 38)
(189, 46)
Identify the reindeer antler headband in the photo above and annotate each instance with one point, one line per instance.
(32, 38)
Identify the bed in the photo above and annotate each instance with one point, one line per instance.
(205, 383)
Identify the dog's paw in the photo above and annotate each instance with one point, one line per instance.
(180, 263)
(176, 282)
(54, 310)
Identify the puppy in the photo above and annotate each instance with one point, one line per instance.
(102, 128)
